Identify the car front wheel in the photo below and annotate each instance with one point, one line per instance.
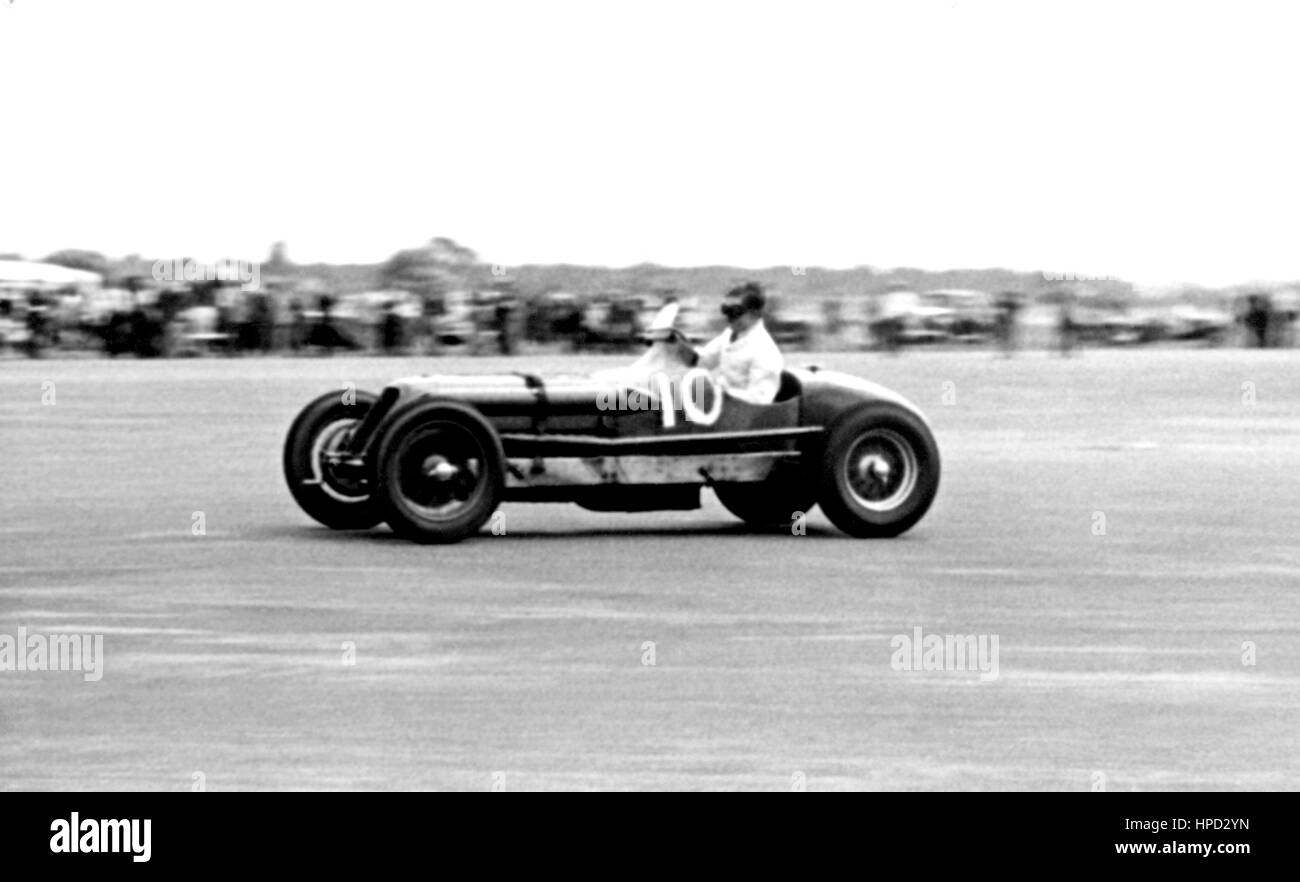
(880, 471)
(321, 431)
(439, 473)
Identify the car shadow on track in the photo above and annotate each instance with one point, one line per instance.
(738, 531)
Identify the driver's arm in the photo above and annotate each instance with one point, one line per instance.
(709, 356)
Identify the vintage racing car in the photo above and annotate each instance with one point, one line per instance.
(434, 456)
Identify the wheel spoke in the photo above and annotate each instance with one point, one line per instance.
(440, 471)
(881, 469)
(332, 439)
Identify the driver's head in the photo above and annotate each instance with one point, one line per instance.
(744, 303)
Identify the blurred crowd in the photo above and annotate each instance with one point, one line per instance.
(1065, 319)
(216, 318)
(146, 320)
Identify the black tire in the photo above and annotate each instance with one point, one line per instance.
(774, 501)
(321, 426)
(879, 472)
(439, 472)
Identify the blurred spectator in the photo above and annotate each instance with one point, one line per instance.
(38, 324)
(427, 325)
(325, 334)
(117, 333)
(390, 329)
(146, 330)
(1008, 306)
(502, 315)
(885, 320)
(281, 317)
(1256, 319)
(171, 305)
(1286, 321)
(1282, 310)
(261, 324)
(229, 320)
(556, 317)
(832, 321)
(57, 315)
(297, 325)
(483, 321)
(1066, 330)
(7, 324)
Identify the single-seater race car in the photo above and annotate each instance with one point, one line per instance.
(434, 456)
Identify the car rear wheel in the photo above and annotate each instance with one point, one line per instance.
(880, 471)
(324, 428)
(439, 473)
(777, 500)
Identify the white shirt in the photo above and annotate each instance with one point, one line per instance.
(749, 367)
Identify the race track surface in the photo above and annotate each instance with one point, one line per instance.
(1124, 523)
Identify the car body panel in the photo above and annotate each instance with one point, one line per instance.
(583, 432)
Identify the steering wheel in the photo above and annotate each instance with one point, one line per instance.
(663, 327)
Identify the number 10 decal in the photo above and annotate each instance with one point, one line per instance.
(692, 387)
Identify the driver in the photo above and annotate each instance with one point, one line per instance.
(744, 359)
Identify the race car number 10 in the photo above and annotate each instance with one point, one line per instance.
(692, 395)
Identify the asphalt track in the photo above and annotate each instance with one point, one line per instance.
(519, 660)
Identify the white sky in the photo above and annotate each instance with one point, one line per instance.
(1152, 141)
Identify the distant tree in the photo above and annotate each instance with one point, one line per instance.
(278, 258)
(133, 266)
(78, 259)
(432, 269)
